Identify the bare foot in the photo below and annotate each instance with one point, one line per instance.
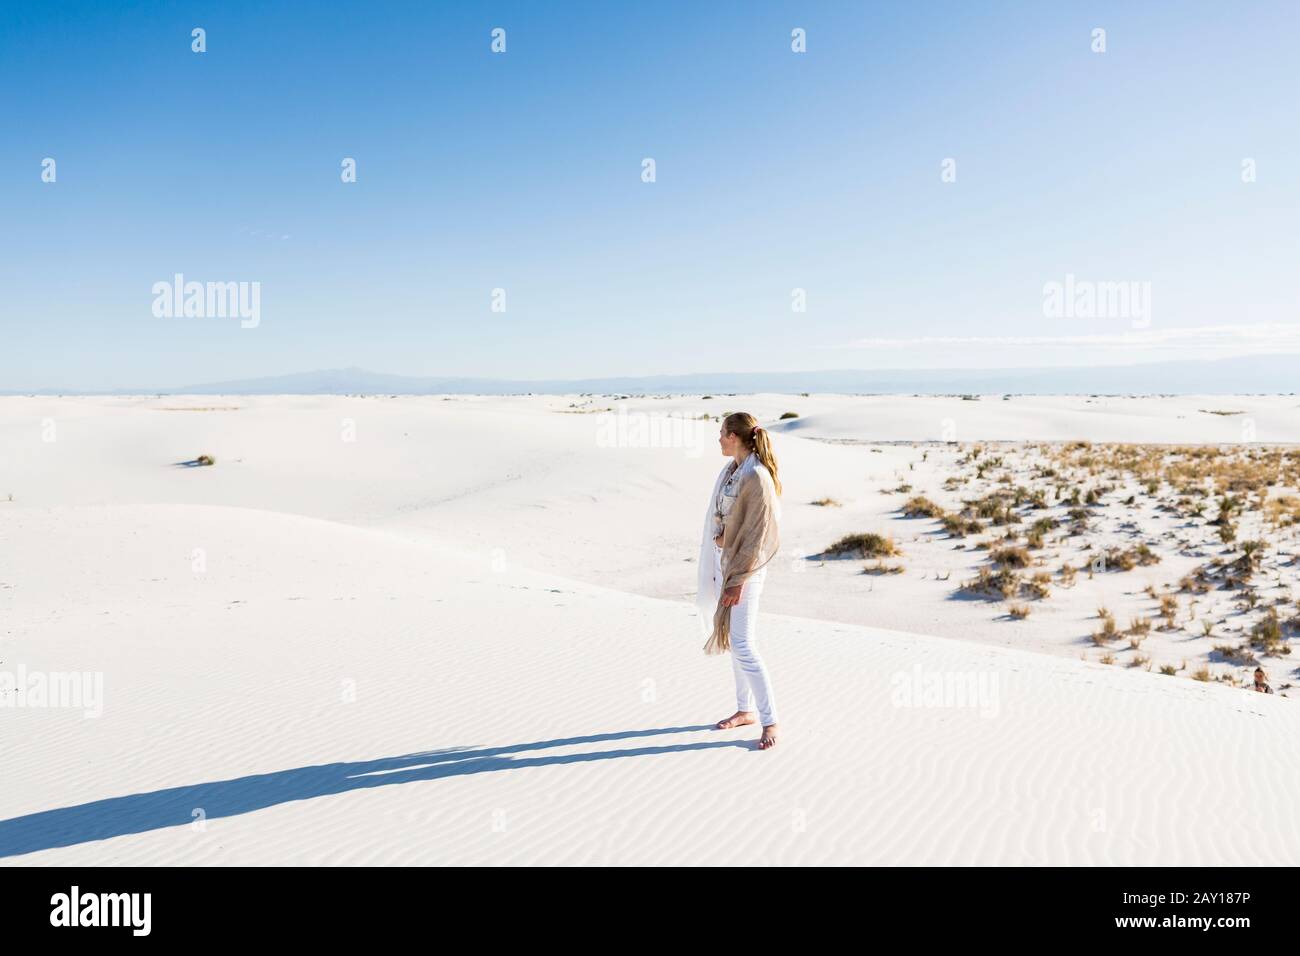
(768, 740)
(739, 719)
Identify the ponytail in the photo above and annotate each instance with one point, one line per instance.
(754, 436)
(763, 449)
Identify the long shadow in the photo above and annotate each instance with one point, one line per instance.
(176, 806)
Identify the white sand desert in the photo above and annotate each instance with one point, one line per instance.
(456, 630)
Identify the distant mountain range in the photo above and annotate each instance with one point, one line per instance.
(1269, 374)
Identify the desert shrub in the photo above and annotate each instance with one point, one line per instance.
(1234, 654)
(1168, 609)
(1107, 632)
(1227, 505)
(993, 507)
(867, 545)
(1000, 584)
(959, 526)
(1126, 559)
(1266, 635)
(1010, 557)
(1039, 586)
(921, 507)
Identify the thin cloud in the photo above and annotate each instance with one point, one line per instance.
(1210, 338)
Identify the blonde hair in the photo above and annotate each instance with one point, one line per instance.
(754, 437)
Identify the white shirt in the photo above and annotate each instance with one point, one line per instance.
(726, 499)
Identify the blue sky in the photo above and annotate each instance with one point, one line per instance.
(522, 171)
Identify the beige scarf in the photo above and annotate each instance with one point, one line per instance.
(749, 541)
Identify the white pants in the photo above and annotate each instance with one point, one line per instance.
(752, 682)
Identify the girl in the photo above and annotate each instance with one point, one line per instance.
(740, 538)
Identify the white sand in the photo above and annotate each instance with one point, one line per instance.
(462, 637)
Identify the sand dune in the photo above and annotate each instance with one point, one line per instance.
(322, 694)
(1176, 419)
(460, 638)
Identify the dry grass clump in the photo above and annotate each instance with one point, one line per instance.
(1235, 655)
(1126, 559)
(921, 507)
(1252, 553)
(1108, 631)
(1229, 576)
(1038, 587)
(1282, 511)
(1139, 627)
(1010, 557)
(880, 567)
(1035, 535)
(997, 585)
(959, 526)
(1266, 635)
(206, 460)
(1168, 610)
(1000, 583)
(1019, 611)
(1198, 582)
(826, 503)
(866, 545)
(996, 508)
